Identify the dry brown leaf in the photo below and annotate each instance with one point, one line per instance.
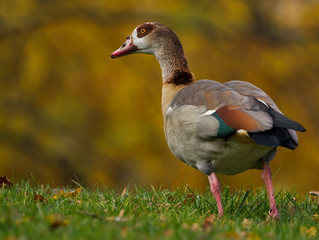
(291, 209)
(209, 221)
(124, 231)
(119, 218)
(252, 236)
(73, 193)
(67, 194)
(190, 198)
(11, 238)
(56, 196)
(315, 217)
(163, 205)
(170, 198)
(195, 227)
(242, 235)
(232, 235)
(121, 213)
(168, 233)
(57, 221)
(163, 218)
(308, 232)
(246, 223)
(124, 191)
(38, 197)
(178, 205)
(5, 182)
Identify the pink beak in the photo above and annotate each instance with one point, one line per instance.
(127, 48)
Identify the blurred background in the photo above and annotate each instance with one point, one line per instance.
(68, 111)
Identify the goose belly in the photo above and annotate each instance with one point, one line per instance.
(239, 156)
(227, 156)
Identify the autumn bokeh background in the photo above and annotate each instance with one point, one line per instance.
(68, 110)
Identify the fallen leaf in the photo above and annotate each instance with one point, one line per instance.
(168, 233)
(5, 182)
(185, 226)
(67, 194)
(11, 238)
(73, 193)
(119, 218)
(291, 209)
(315, 217)
(124, 191)
(163, 205)
(57, 221)
(178, 205)
(190, 198)
(195, 227)
(22, 220)
(246, 223)
(208, 221)
(170, 198)
(163, 218)
(308, 232)
(252, 236)
(232, 235)
(124, 231)
(38, 197)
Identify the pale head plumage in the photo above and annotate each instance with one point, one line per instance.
(149, 38)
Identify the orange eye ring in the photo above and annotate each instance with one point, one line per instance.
(142, 30)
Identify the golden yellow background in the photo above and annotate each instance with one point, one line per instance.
(68, 110)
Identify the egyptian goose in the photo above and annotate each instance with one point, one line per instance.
(213, 127)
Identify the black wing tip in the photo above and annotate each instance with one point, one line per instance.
(302, 129)
(290, 144)
(297, 126)
(281, 121)
(274, 137)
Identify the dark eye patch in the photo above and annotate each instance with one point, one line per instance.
(147, 27)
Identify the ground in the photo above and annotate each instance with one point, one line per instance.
(33, 211)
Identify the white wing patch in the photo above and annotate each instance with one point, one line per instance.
(169, 110)
(209, 112)
(262, 102)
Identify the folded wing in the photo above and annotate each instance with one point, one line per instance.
(240, 105)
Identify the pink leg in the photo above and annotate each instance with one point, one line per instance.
(266, 176)
(215, 188)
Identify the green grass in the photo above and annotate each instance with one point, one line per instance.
(149, 213)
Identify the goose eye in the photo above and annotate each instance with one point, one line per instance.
(143, 30)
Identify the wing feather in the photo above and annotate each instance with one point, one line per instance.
(241, 105)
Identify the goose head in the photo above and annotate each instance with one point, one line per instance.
(148, 38)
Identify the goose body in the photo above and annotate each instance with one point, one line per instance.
(213, 127)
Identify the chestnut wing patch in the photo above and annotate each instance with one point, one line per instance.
(232, 118)
(238, 119)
